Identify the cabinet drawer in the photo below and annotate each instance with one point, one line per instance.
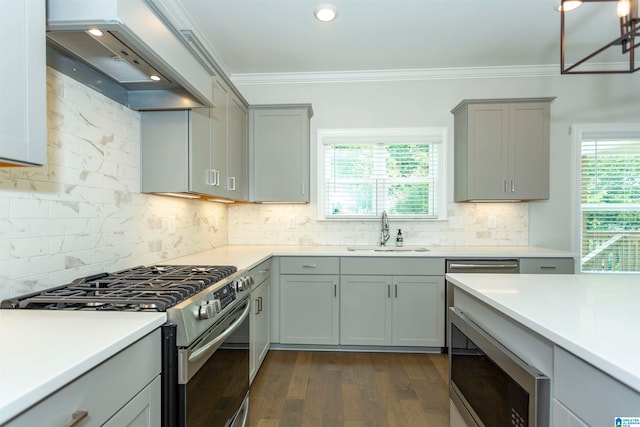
(260, 272)
(102, 391)
(393, 266)
(309, 265)
(546, 265)
(589, 393)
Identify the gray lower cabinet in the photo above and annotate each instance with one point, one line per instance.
(593, 396)
(124, 390)
(260, 323)
(279, 152)
(501, 149)
(309, 309)
(392, 310)
(309, 300)
(23, 112)
(547, 265)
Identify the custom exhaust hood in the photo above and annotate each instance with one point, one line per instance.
(127, 51)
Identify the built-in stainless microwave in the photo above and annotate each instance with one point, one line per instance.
(491, 386)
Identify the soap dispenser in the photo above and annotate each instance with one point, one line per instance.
(399, 238)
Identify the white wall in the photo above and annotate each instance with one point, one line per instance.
(580, 99)
(82, 213)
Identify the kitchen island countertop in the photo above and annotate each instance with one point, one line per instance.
(593, 316)
(42, 351)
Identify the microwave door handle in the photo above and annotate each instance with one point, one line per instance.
(220, 338)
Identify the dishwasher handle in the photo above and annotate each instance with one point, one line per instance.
(460, 266)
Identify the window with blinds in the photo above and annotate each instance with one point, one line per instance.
(366, 173)
(610, 203)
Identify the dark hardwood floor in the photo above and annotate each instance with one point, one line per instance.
(333, 389)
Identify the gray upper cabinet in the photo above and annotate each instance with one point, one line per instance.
(198, 151)
(501, 149)
(23, 112)
(279, 152)
(175, 152)
(237, 150)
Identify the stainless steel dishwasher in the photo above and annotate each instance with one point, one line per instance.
(493, 266)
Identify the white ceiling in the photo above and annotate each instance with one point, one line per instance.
(282, 36)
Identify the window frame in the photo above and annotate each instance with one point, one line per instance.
(578, 132)
(385, 135)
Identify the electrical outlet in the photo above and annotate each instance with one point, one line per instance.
(491, 221)
(171, 224)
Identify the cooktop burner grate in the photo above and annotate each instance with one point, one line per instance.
(153, 288)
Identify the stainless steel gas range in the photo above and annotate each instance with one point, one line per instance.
(205, 360)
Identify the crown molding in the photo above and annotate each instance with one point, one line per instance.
(396, 75)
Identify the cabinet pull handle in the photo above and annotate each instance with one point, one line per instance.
(302, 185)
(335, 290)
(232, 183)
(257, 306)
(504, 186)
(76, 417)
(260, 304)
(263, 271)
(217, 180)
(396, 290)
(513, 186)
(547, 267)
(309, 265)
(388, 290)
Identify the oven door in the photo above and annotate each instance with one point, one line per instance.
(213, 374)
(489, 385)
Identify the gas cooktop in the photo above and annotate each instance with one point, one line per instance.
(152, 288)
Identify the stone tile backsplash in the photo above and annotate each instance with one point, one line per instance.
(82, 213)
(265, 224)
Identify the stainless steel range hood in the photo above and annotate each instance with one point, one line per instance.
(127, 51)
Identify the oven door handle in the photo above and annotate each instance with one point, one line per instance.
(199, 353)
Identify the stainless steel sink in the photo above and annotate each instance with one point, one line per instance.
(388, 248)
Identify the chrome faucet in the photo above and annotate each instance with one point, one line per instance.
(384, 231)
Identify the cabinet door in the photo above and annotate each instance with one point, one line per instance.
(280, 153)
(237, 155)
(141, 411)
(260, 326)
(309, 309)
(199, 150)
(487, 158)
(365, 310)
(529, 151)
(219, 139)
(418, 311)
(23, 116)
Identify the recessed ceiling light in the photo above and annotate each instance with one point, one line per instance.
(154, 78)
(95, 32)
(325, 12)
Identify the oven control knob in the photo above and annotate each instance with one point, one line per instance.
(250, 280)
(241, 284)
(209, 309)
(206, 311)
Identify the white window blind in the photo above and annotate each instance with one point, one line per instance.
(364, 175)
(610, 203)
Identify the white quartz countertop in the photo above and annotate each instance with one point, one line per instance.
(593, 316)
(245, 257)
(41, 351)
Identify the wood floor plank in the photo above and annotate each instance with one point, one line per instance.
(350, 389)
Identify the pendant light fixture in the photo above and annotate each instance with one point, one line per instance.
(626, 42)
